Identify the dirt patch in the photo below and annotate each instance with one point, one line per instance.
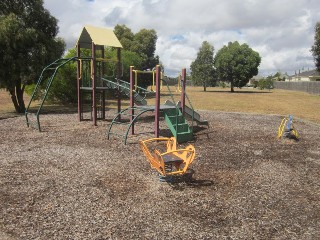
(70, 182)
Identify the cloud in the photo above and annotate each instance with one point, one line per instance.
(281, 31)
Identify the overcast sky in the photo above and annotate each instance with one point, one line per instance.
(281, 31)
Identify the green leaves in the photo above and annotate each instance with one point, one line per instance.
(236, 64)
(315, 49)
(142, 43)
(27, 43)
(202, 70)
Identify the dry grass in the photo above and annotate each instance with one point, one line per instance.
(5, 100)
(249, 100)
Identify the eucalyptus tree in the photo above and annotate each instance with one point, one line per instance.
(236, 64)
(28, 42)
(315, 49)
(202, 68)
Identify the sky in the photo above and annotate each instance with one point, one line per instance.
(281, 31)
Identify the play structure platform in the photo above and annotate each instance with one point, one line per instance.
(172, 116)
(93, 82)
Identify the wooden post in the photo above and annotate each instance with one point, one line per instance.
(157, 104)
(103, 91)
(79, 83)
(118, 77)
(93, 71)
(183, 90)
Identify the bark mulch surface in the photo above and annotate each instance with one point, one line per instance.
(70, 182)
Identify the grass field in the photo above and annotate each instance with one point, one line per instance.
(249, 100)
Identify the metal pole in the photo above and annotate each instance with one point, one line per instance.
(157, 106)
(118, 77)
(103, 91)
(183, 90)
(93, 70)
(79, 82)
(132, 97)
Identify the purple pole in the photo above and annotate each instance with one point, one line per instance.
(79, 82)
(157, 106)
(131, 98)
(183, 89)
(119, 76)
(94, 104)
(103, 93)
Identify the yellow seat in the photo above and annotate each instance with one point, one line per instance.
(165, 158)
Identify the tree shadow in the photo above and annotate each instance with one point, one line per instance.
(56, 109)
(235, 92)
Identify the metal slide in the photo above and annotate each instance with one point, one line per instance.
(124, 88)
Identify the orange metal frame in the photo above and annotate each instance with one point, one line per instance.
(182, 158)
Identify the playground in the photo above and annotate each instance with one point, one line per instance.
(70, 182)
(85, 174)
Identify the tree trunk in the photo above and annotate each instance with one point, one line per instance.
(232, 87)
(204, 86)
(17, 97)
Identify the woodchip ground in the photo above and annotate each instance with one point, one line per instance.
(70, 182)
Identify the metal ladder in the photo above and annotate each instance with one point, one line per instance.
(50, 70)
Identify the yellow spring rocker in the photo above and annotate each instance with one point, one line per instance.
(286, 128)
(163, 156)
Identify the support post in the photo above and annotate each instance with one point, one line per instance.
(118, 77)
(157, 104)
(79, 82)
(93, 72)
(103, 93)
(183, 89)
(132, 98)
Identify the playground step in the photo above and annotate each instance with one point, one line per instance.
(178, 118)
(178, 125)
(182, 127)
(184, 137)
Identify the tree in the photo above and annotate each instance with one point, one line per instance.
(128, 58)
(125, 36)
(315, 49)
(236, 64)
(202, 69)
(27, 43)
(267, 83)
(143, 43)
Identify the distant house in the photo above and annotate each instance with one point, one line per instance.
(307, 76)
(281, 77)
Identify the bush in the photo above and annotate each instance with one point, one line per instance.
(265, 83)
(222, 84)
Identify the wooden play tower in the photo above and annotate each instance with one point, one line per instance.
(95, 39)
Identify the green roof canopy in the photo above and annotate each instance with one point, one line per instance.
(99, 36)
